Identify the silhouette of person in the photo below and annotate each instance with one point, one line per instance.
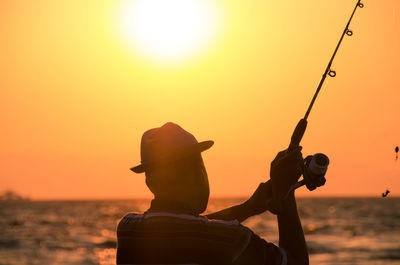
(172, 231)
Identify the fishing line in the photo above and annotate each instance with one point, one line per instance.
(389, 178)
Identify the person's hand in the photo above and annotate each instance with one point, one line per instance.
(285, 171)
(259, 201)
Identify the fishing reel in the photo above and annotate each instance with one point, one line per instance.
(314, 170)
(315, 166)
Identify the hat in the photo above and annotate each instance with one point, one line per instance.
(167, 143)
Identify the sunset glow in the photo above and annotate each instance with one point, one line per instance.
(80, 81)
(167, 30)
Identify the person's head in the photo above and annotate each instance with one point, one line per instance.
(174, 168)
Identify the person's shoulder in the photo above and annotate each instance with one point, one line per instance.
(260, 251)
(131, 216)
(250, 248)
(129, 219)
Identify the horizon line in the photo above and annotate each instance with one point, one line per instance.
(211, 198)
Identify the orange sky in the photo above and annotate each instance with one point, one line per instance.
(75, 99)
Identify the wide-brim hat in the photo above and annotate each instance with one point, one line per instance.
(167, 144)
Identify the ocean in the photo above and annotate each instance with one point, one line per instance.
(338, 230)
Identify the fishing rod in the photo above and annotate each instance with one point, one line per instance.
(315, 166)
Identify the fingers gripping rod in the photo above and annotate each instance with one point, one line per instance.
(302, 124)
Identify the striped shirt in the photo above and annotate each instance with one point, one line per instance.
(169, 238)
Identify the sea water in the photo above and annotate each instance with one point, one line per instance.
(337, 230)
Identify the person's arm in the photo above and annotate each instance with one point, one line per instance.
(257, 204)
(286, 169)
(291, 236)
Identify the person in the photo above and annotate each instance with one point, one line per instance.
(173, 231)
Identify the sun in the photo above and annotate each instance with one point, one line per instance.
(168, 30)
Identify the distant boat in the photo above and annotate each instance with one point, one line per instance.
(10, 195)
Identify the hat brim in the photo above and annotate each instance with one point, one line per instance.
(196, 148)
